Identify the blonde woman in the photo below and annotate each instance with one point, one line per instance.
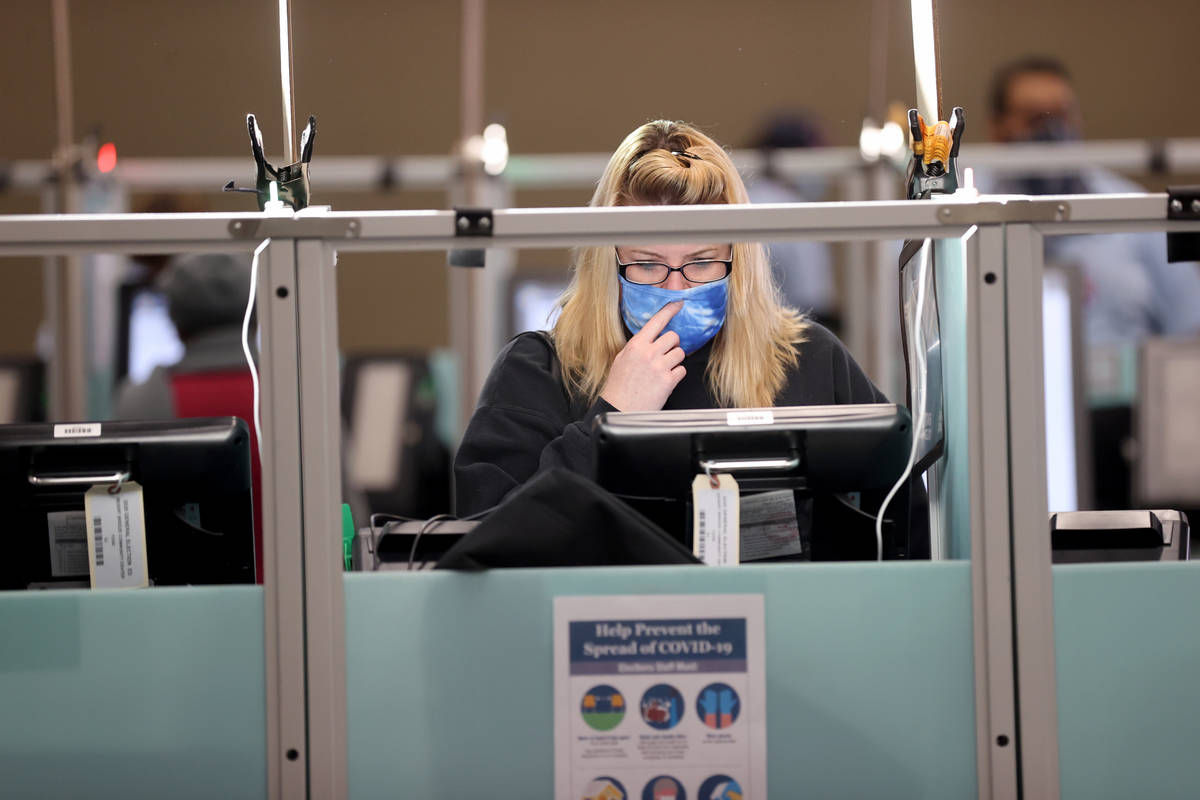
(645, 327)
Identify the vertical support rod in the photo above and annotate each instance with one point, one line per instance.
(489, 289)
(1033, 580)
(287, 81)
(283, 529)
(991, 578)
(887, 355)
(63, 89)
(320, 456)
(856, 307)
(464, 285)
(471, 61)
(65, 307)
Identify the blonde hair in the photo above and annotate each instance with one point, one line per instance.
(672, 163)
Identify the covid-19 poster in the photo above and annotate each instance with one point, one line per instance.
(660, 697)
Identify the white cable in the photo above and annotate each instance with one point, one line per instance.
(918, 399)
(925, 59)
(258, 431)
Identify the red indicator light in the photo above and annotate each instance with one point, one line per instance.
(106, 157)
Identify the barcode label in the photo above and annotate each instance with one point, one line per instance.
(715, 520)
(99, 538)
(116, 523)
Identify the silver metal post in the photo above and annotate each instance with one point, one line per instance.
(467, 290)
(471, 65)
(64, 101)
(489, 291)
(1033, 582)
(320, 457)
(65, 307)
(283, 550)
(856, 305)
(991, 581)
(886, 354)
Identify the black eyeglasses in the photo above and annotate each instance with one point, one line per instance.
(651, 272)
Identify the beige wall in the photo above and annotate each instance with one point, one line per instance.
(174, 79)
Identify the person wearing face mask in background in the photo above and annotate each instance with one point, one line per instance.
(646, 327)
(1131, 290)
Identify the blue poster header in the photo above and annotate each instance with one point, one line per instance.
(712, 644)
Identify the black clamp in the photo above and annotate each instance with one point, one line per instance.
(473, 222)
(1183, 203)
(292, 179)
(470, 222)
(934, 165)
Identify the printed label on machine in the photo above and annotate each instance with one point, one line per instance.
(116, 536)
(68, 543)
(659, 696)
(76, 430)
(715, 522)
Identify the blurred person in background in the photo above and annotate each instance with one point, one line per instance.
(1132, 292)
(206, 298)
(803, 269)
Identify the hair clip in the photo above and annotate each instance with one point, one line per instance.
(686, 154)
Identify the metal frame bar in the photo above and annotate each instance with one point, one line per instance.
(304, 618)
(991, 579)
(1033, 582)
(576, 170)
(39, 234)
(320, 468)
(283, 553)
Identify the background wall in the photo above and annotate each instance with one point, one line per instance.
(175, 79)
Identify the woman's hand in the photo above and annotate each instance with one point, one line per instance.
(649, 366)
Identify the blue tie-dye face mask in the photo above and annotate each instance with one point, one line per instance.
(702, 315)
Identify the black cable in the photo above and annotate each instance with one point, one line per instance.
(424, 529)
(429, 523)
(372, 526)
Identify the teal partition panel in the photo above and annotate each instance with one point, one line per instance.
(129, 694)
(870, 685)
(1128, 671)
(952, 503)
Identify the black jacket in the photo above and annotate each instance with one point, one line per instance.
(527, 423)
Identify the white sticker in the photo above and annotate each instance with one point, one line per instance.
(763, 416)
(76, 430)
(116, 537)
(715, 520)
(770, 528)
(68, 543)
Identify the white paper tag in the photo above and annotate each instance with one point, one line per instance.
(715, 520)
(763, 416)
(76, 430)
(116, 537)
(769, 526)
(68, 543)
